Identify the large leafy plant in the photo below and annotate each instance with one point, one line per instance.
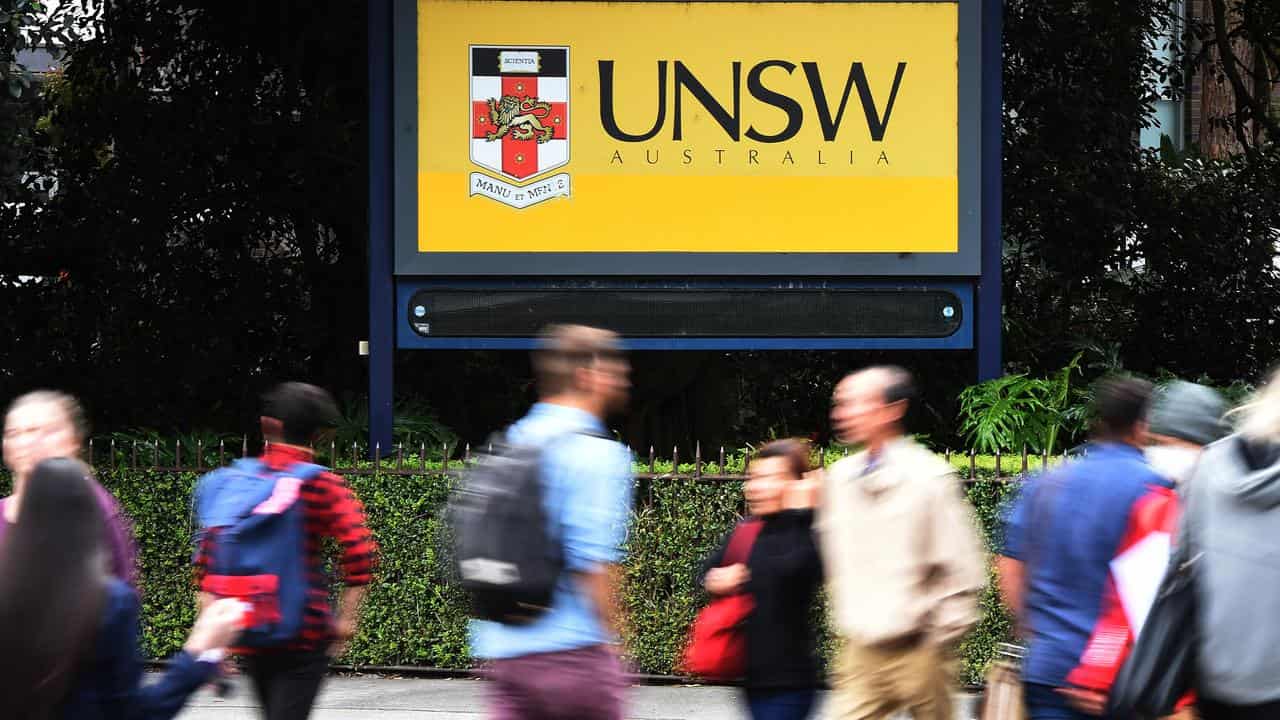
(1019, 411)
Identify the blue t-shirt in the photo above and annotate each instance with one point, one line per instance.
(588, 498)
(1067, 526)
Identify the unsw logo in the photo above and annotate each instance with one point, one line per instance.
(519, 123)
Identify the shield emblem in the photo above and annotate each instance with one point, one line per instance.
(519, 109)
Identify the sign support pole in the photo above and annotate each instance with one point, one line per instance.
(381, 272)
(989, 319)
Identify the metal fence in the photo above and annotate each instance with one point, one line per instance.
(452, 459)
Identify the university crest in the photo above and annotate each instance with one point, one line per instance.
(519, 123)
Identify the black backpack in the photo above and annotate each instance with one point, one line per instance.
(505, 555)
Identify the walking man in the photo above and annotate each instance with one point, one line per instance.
(287, 676)
(1074, 542)
(903, 557)
(564, 664)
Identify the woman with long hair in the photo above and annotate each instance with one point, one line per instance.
(49, 424)
(783, 573)
(69, 629)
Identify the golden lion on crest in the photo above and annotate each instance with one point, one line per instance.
(522, 118)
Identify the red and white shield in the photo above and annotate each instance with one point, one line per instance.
(519, 109)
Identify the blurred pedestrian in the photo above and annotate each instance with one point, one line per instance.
(287, 674)
(782, 574)
(48, 424)
(1184, 418)
(1077, 545)
(904, 563)
(563, 664)
(1232, 527)
(69, 630)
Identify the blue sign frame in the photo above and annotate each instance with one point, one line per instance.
(961, 339)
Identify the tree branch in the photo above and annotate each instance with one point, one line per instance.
(1244, 98)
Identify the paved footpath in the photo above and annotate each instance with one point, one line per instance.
(381, 698)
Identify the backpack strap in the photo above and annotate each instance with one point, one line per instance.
(211, 483)
(556, 523)
(304, 471)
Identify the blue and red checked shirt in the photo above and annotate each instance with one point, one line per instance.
(330, 510)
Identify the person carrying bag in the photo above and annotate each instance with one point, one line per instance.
(1212, 628)
(1160, 670)
(764, 581)
(717, 648)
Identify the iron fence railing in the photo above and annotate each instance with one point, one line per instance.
(161, 456)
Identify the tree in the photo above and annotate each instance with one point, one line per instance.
(1078, 90)
(1240, 61)
(207, 233)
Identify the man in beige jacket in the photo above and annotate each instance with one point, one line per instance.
(903, 558)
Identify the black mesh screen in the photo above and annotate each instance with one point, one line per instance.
(688, 313)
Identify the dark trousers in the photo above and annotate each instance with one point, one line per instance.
(1214, 710)
(780, 704)
(287, 682)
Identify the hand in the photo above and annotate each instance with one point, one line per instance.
(343, 630)
(1088, 702)
(217, 626)
(727, 580)
(801, 494)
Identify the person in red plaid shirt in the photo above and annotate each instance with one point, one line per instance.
(288, 678)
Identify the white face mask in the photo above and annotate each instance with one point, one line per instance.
(1172, 461)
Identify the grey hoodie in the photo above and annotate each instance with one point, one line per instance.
(1232, 521)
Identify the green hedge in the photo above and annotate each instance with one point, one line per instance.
(413, 618)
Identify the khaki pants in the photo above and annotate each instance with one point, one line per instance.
(875, 683)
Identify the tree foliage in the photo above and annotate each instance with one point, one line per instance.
(1167, 257)
(182, 221)
(207, 234)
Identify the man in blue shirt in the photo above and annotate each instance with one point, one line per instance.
(564, 664)
(1060, 539)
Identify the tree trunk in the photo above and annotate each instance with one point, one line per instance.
(1219, 136)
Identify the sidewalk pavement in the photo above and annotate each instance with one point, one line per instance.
(382, 698)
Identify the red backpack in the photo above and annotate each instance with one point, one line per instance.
(717, 648)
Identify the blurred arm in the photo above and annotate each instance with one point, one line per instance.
(595, 521)
(601, 585)
(1011, 576)
(960, 563)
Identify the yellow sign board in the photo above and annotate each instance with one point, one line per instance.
(715, 127)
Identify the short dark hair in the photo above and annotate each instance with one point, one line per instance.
(1120, 402)
(564, 349)
(302, 409)
(794, 450)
